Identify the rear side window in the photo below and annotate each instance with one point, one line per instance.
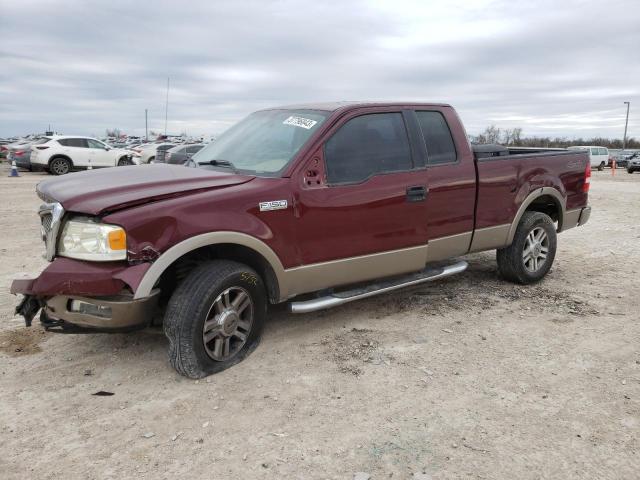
(368, 145)
(73, 142)
(437, 136)
(194, 148)
(594, 151)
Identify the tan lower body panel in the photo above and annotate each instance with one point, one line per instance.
(447, 247)
(311, 278)
(490, 238)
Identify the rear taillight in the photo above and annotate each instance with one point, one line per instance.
(587, 178)
(18, 153)
(42, 147)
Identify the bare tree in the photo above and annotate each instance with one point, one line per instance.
(491, 134)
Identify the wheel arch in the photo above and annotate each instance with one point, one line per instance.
(546, 200)
(121, 157)
(59, 155)
(225, 245)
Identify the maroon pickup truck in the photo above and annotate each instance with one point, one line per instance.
(315, 205)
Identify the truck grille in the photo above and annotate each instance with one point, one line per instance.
(46, 224)
(50, 219)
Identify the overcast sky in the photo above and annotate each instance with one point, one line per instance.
(551, 67)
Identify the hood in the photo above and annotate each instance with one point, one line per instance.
(99, 191)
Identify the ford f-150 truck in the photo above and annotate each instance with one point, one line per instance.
(314, 205)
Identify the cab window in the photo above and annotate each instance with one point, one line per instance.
(437, 137)
(367, 145)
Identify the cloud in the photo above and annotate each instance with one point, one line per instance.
(559, 68)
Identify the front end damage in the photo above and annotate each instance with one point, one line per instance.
(81, 297)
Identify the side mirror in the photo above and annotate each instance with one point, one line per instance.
(107, 148)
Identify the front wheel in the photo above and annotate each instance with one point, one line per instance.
(601, 167)
(124, 161)
(214, 318)
(530, 256)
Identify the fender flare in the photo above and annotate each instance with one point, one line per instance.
(152, 275)
(559, 200)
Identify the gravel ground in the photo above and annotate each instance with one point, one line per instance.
(470, 377)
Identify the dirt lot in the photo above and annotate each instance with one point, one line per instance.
(467, 378)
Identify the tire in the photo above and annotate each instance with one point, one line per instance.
(201, 296)
(59, 166)
(629, 170)
(151, 159)
(601, 167)
(536, 232)
(124, 161)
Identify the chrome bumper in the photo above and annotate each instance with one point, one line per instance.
(106, 314)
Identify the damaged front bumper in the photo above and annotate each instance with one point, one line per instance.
(77, 297)
(75, 314)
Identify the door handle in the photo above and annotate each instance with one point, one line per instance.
(416, 193)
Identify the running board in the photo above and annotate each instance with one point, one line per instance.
(339, 298)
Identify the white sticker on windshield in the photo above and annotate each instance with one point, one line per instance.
(300, 122)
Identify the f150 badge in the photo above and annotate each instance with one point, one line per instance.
(273, 205)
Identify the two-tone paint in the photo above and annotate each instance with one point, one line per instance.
(328, 235)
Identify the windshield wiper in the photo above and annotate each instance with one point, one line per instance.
(219, 163)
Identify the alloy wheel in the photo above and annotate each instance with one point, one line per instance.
(228, 324)
(536, 248)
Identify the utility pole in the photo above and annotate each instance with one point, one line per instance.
(626, 122)
(166, 109)
(146, 125)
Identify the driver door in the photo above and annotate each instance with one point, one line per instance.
(367, 218)
(99, 154)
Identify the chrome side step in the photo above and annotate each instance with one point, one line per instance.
(339, 298)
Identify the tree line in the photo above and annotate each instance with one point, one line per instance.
(514, 137)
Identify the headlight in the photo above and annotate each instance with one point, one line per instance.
(85, 239)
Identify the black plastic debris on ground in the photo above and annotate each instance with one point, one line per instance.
(102, 393)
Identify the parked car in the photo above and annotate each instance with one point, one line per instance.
(4, 149)
(61, 154)
(147, 153)
(180, 154)
(633, 164)
(622, 158)
(20, 152)
(598, 156)
(161, 152)
(314, 205)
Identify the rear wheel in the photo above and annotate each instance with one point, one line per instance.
(214, 318)
(530, 256)
(60, 166)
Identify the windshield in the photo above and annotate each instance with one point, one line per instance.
(262, 143)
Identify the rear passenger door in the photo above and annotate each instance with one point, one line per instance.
(372, 198)
(452, 184)
(77, 150)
